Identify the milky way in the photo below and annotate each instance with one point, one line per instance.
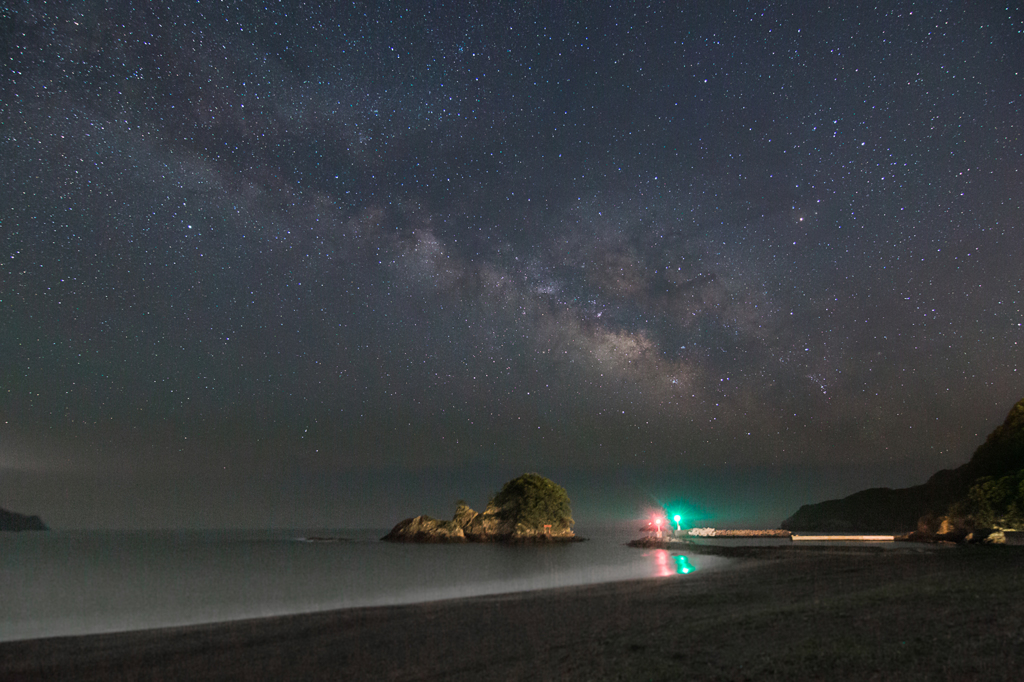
(258, 253)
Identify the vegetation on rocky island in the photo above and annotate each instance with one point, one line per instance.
(527, 508)
(534, 501)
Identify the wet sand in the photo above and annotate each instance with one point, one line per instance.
(781, 613)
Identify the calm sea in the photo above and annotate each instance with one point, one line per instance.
(77, 582)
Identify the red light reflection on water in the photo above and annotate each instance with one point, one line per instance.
(667, 564)
(661, 561)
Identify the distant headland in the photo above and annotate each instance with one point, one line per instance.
(985, 493)
(530, 508)
(14, 521)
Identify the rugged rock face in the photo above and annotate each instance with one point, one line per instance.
(898, 511)
(483, 526)
(541, 514)
(471, 526)
(13, 521)
(426, 529)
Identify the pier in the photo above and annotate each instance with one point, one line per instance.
(733, 533)
(842, 538)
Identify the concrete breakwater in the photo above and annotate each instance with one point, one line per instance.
(733, 533)
(843, 538)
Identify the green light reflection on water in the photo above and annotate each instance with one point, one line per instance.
(683, 565)
(669, 564)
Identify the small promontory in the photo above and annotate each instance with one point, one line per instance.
(16, 522)
(530, 508)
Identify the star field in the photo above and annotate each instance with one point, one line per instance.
(250, 255)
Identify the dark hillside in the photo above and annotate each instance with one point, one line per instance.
(898, 511)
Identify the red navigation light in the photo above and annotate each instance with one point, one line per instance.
(657, 520)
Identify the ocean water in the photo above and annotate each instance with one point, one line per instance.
(79, 582)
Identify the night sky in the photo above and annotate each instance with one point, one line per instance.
(318, 264)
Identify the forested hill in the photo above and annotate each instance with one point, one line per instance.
(898, 511)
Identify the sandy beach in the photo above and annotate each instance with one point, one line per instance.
(920, 612)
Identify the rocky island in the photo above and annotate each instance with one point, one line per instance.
(17, 522)
(530, 508)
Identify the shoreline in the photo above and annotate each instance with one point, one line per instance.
(843, 612)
